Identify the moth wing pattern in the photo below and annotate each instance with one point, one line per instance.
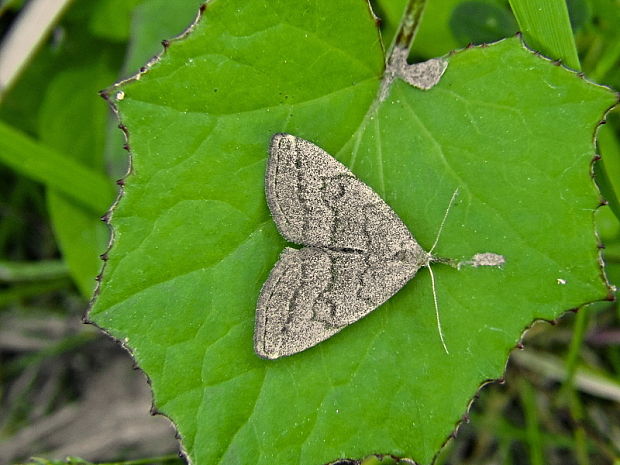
(317, 201)
(313, 293)
(358, 253)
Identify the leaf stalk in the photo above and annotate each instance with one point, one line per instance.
(408, 26)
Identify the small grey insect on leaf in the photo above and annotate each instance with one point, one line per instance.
(358, 253)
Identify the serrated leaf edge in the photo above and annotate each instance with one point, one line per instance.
(109, 93)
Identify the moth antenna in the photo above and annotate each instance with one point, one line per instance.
(443, 221)
(443, 342)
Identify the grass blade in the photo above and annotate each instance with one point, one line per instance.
(41, 163)
(546, 28)
(532, 423)
(32, 271)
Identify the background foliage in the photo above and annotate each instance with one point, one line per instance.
(51, 236)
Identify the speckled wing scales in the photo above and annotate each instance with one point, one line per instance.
(358, 252)
(317, 201)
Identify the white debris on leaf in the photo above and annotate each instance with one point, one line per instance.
(484, 259)
(423, 75)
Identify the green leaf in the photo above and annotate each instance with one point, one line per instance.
(609, 167)
(448, 24)
(71, 47)
(151, 22)
(579, 12)
(607, 173)
(603, 40)
(195, 241)
(154, 21)
(478, 22)
(82, 238)
(451, 24)
(389, 12)
(546, 27)
(81, 235)
(435, 38)
(57, 102)
(111, 19)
